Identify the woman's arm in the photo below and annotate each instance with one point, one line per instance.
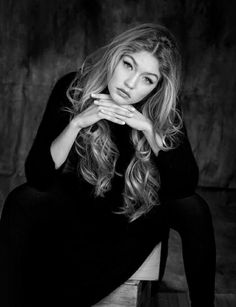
(61, 146)
(178, 170)
(152, 140)
(43, 163)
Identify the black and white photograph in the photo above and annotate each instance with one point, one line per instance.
(117, 153)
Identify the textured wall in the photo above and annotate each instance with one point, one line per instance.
(42, 40)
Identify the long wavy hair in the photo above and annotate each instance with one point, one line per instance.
(98, 153)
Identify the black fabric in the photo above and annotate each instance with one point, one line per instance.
(51, 255)
(191, 218)
(60, 246)
(67, 256)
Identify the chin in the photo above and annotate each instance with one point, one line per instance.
(117, 99)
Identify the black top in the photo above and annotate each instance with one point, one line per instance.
(177, 167)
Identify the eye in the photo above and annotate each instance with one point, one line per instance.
(127, 64)
(148, 80)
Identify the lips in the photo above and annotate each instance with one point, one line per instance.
(123, 93)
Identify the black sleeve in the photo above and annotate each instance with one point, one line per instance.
(39, 166)
(178, 169)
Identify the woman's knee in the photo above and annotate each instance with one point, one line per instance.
(193, 206)
(196, 207)
(34, 206)
(190, 212)
(24, 200)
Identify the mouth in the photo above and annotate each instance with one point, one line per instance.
(123, 93)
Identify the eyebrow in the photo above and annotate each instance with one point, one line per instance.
(136, 64)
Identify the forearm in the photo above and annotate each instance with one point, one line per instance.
(178, 169)
(61, 146)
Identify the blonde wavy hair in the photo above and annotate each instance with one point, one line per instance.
(98, 153)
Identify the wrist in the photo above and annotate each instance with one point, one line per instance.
(148, 130)
(152, 138)
(75, 124)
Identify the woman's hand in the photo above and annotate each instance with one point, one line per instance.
(110, 111)
(136, 121)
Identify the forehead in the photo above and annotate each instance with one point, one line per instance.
(145, 61)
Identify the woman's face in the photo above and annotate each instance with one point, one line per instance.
(134, 77)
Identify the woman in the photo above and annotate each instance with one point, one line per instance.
(110, 170)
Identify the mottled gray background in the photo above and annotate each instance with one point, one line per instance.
(43, 40)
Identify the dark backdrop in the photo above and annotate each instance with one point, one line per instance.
(42, 40)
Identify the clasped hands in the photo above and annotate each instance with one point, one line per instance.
(125, 114)
(105, 108)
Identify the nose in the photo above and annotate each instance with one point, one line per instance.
(130, 82)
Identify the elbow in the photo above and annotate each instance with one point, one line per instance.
(35, 177)
(192, 179)
(195, 174)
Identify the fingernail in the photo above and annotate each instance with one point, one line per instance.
(96, 102)
(93, 95)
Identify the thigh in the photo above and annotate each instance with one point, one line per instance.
(40, 218)
(112, 259)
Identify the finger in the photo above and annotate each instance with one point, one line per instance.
(122, 112)
(101, 96)
(115, 115)
(102, 115)
(107, 103)
(127, 109)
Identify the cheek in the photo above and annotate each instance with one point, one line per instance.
(114, 77)
(111, 82)
(143, 92)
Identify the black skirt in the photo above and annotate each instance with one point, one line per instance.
(67, 248)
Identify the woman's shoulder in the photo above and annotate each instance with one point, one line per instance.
(58, 98)
(65, 81)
